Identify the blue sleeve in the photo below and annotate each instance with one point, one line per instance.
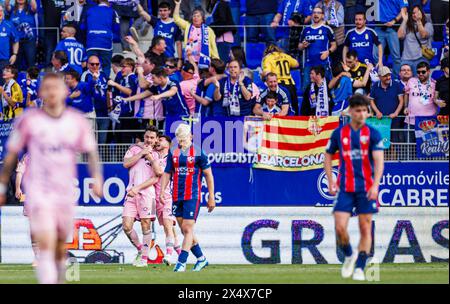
(400, 88)
(333, 144)
(209, 95)
(203, 162)
(349, 86)
(331, 36)
(376, 41)
(60, 46)
(373, 94)
(133, 84)
(347, 40)
(376, 141)
(84, 56)
(169, 165)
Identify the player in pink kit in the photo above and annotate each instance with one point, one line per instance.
(20, 173)
(53, 137)
(140, 203)
(164, 208)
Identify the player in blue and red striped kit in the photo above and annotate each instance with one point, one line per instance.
(187, 164)
(361, 168)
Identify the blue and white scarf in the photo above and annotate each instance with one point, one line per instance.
(204, 60)
(332, 14)
(231, 98)
(320, 100)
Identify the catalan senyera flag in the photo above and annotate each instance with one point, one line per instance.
(296, 143)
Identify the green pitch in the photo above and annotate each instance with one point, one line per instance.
(273, 274)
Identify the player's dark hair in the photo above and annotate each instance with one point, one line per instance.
(218, 65)
(239, 55)
(117, 59)
(166, 137)
(172, 60)
(352, 53)
(156, 40)
(337, 69)
(271, 74)
(444, 63)
(33, 72)
(13, 70)
(159, 72)
(61, 56)
(152, 129)
(128, 61)
(422, 65)
(359, 100)
(319, 70)
(272, 95)
(73, 73)
(165, 4)
(72, 26)
(361, 13)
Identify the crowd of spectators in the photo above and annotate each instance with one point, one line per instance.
(196, 63)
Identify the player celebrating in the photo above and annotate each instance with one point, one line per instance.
(140, 202)
(164, 207)
(53, 136)
(186, 164)
(361, 168)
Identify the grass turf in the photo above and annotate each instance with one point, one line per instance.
(228, 274)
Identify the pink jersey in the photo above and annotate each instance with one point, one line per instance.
(421, 99)
(186, 87)
(153, 109)
(168, 192)
(142, 171)
(53, 145)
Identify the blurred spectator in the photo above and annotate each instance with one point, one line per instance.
(341, 88)
(197, 36)
(360, 73)
(191, 77)
(52, 11)
(420, 96)
(270, 106)
(233, 95)
(406, 73)
(319, 42)
(416, 32)
(22, 15)
(283, 101)
(100, 96)
(286, 10)
(9, 40)
(439, 16)
(387, 100)
(11, 94)
(390, 13)
(238, 53)
(295, 31)
(317, 100)
(276, 61)
(158, 51)
(116, 61)
(172, 70)
(100, 24)
(334, 18)
(80, 94)
(442, 89)
(60, 63)
(223, 25)
(75, 51)
(127, 10)
(259, 15)
(30, 87)
(363, 40)
(164, 26)
(352, 7)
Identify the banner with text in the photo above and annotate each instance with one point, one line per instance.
(5, 130)
(432, 136)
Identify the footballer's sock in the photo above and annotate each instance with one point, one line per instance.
(347, 249)
(362, 260)
(178, 249)
(46, 268)
(61, 269)
(134, 239)
(182, 259)
(146, 241)
(169, 245)
(197, 251)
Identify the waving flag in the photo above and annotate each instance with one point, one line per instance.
(296, 143)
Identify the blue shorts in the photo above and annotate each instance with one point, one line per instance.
(188, 210)
(355, 203)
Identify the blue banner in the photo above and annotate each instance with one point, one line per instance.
(403, 185)
(432, 136)
(5, 130)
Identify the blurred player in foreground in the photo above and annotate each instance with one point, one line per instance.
(53, 137)
(186, 164)
(164, 207)
(20, 195)
(361, 168)
(140, 202)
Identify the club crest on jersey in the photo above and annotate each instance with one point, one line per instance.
(345, 140)
(175, 159)
(364, 139)
(190, 159)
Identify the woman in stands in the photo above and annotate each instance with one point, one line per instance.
(416, 32)
(280, 63)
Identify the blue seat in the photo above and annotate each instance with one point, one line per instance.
(297, 77)
(255, 53)
(437, 48)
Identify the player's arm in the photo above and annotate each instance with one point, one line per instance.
(172, 92)
(19, 176)
(284, 110)
(124, 90)
(363, 83)
(328, 166)
(165, 179)
(9, 164)
(136, 49)
(210, 183)
(95, 170)
(378, 160)
(129, 162)
(148, 183)
(139, 96)
(157, 168)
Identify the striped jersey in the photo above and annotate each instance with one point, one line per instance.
(356, 166)
(186, 168)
